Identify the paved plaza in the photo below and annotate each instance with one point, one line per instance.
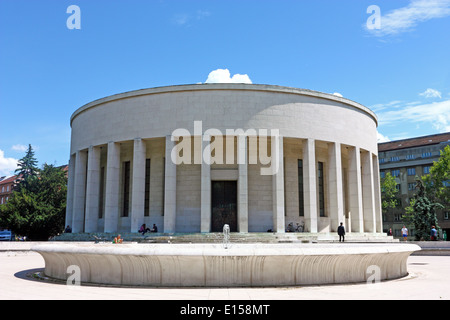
(427, 280)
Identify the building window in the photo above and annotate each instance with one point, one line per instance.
(411, 186)
(426, 170)
(301, 201)
(321, 191)
(398, 187)
(126, 188)
(381, 160)
(382, 174)
(101, 192)
(411, 171)
(426, 155)
(446, 215)
(164, 188)
(395, 173)
(395, 159)
(410, 157)
(397, 217)
(147, 188)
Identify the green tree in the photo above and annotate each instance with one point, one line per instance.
(437, 182)
(408, 216)
(389, 193)
(422, 212)
(37, 211)
(26, 170)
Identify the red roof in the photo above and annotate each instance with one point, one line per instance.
(414, 142)
(8, 180)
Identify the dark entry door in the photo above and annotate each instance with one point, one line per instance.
(224, 205)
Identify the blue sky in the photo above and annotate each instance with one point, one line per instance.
(400, 70)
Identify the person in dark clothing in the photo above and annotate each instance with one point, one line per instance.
(144, 229)
(341, 232)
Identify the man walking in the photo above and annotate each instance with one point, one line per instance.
(405, 233)
(341, 232)
(434, 234)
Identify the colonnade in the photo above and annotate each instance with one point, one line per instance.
(363, 188)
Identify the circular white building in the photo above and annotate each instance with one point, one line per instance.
(192, 158)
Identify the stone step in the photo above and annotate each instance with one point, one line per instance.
(234, 237)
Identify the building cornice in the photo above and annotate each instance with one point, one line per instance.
(223, 86)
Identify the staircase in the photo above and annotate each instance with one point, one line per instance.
(253, 237)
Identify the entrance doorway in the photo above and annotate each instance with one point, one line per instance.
(223, 205)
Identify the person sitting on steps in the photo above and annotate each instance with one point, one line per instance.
(144, 229)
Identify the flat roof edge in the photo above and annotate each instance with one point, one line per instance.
(222, 86)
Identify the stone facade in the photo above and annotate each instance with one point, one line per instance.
(121, 172)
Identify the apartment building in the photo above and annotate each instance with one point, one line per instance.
(406, 159)
(6, 188)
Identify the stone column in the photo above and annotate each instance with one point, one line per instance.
(355, 190)
(377, 190)
(242, 201)
(335, 189)
(70, 191)
(310, 185)
(368, 192)
(79, 196)
(170, 188)
(138, 185)
(205, 188)
(112, 187)
(278, 184)
(92, 189)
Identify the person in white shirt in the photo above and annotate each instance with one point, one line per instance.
(404, 233)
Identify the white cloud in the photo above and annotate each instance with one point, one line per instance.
(7, 165)
(180, 19)
(224, 76)
(202, 14)
(381, 138)
(381, 106)
(436, 115)
(19, 148)
(183, 19)
(431, 93)
(407, 18)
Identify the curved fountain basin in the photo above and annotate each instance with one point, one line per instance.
(211, 265)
